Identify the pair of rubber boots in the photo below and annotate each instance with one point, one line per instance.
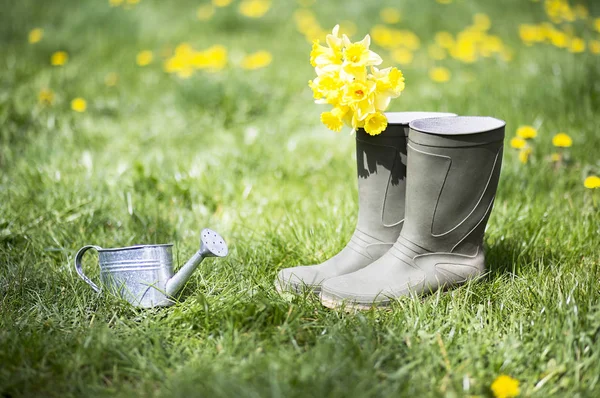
(426, 186)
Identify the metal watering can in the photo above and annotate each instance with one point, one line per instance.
(143, 274)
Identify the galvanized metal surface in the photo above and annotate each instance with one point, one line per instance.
(143, 275)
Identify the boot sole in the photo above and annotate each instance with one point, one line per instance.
(347, 305)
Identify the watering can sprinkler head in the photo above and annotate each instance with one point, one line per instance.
(212, 244)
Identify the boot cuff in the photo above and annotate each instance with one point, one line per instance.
(456, 132)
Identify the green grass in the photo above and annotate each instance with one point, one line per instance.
(157, 158)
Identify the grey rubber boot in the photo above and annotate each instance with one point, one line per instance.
(452, 175)
(381, 169)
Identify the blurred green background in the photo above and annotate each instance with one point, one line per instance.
(125, 122)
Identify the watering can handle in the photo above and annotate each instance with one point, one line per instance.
(78, 268)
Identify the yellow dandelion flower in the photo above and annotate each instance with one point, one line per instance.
(444, 39)
(436, 52)
(439, 74)
(144, 58)
(35, 35)
(115, 3)
(390, 15)
(46, 97)
(518, 143)
(205, 12)
(221, 3)
(562, 140)
(257, 60)
(217, 57)
(332, 121)
(482, 22)
(505, 387)
(577, 45)
(254, 8)
(526, 132)
(79, 105)
(597, 24)
(592, 182)
(555, 157)
(111, 79)
(524, 154)
(594, 46)
(375, 123)
(59, 58)
(402, 56)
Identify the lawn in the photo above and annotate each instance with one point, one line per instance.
(158, 150)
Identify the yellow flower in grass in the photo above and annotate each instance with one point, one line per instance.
(526, 132)
(439, 74)
(597, 24)
(205, 12)
(577, 45)
(144, 58)
(254, 8)
(390, 15)
(111, 79)
(592, 182)
(257, 60)
(375, 123)
(518, 143)
(524, 154)
(562, 140)
(46, 97)
(79, 105)
(594, 46)
(59, 58)
(221, 3)
(402, 56)
(444, 39)
(35, 35)
(505, 387)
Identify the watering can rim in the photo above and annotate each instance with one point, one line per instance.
(134, 247)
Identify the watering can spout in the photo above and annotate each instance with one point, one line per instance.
(211, 245)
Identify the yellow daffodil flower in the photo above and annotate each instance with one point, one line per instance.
(375, 123)
(357, 56)
(328, 59)
(334, 120)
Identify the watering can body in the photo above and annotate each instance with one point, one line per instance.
(143, 274)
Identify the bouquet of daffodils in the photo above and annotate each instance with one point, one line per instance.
(358, 98)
